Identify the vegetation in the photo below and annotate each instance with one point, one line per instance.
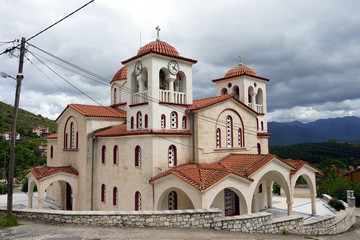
(8, 221)
(338, 205)
(321, 154)
(326, 156)
(27, 121)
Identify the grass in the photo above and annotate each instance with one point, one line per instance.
(8, 221)
(311, 238)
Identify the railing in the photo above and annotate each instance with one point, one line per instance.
(164, 95)
(179, 97)
(257, 107)
(173, 97)
(139, 97)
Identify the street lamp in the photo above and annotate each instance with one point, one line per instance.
(5, 75)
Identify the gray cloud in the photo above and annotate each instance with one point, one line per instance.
(308, 49)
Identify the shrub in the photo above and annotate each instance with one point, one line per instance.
(337, 204)
(8, 221)
(3, 189)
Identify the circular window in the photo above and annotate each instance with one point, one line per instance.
(229, 85)
(255, 85)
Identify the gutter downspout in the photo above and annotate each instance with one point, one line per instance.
(188, 111)
(92, 172)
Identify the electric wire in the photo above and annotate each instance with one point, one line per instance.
(127, 90)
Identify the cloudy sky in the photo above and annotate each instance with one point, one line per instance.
(309, 49)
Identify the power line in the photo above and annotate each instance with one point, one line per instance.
(247, 128)
(37, 34)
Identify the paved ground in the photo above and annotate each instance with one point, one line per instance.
(42, 231)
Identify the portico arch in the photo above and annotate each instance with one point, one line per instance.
(264, 198)
(49, 175)
(310, 179)
(183, 200)
(220, 200)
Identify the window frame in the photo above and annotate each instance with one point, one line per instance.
(176, 120)
(103, 154)
(116, 154)
(229, 133)
(184, 122)
(174, 164)
(139, 119)
(115, 196)
(175, 199)
(138, 156)
(163, 121)
(218, 138)
(138, 203)
(103, 193)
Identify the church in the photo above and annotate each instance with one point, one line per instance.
(156, 148)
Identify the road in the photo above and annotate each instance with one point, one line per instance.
(42, 231)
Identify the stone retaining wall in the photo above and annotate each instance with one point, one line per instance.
(261, 222)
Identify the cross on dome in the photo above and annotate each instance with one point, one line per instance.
(158, 35)
(240, 60)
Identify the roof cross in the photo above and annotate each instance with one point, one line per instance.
(158, 30)
(240, 59)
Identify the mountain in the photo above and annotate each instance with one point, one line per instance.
(346, 129)
(26, 120)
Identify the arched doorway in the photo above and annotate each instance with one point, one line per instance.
(174, 199)
(230, 201)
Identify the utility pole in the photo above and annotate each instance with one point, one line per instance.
(19, 78)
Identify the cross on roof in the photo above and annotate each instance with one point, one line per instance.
(240, 59)
(158, 30)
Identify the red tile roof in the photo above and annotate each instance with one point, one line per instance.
(52, 136)
(121, 74)
(206, 102)
(240, 70)
(160, 48)
(202, 176)
(41, 172)
(297, 164)
(122, 131)
(96, 111)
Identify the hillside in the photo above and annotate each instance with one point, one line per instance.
(322, 154)
(26, 120)
(344, 129)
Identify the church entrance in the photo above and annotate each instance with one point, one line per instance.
(68, 197)
(231, 203)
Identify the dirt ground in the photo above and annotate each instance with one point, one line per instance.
(41, 231)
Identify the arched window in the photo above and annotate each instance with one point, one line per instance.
(184, 122)
(257, 124)
(172, 201)
(137, 156)
(218, 138)
(229, 129)
(115, 196)
(103, 154)
(146, 121)
(72, 135)
(262, 126)
(224, 91)
(163, 121)
(240, 137)
(51, 151)
(259, 148)
(114, 95)
(172, 156)
(173, 120)
(103, 193)
(139, 120)
(132, 123)
(116, 154)
(137, 201)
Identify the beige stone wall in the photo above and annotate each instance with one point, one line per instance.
(209, 119)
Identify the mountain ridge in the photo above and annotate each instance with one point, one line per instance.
(342, 129)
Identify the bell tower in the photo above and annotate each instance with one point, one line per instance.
(160, 84)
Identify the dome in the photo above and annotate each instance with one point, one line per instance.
(121, 74)
(238, 70)
(159, 47)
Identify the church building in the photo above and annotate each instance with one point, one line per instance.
(155, 148)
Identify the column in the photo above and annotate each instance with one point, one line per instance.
(289, 207)
(313, 204)
(171, 89)
(269, 194)
(30, 200)
(255, 204)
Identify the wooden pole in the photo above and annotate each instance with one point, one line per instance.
(19, 78)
